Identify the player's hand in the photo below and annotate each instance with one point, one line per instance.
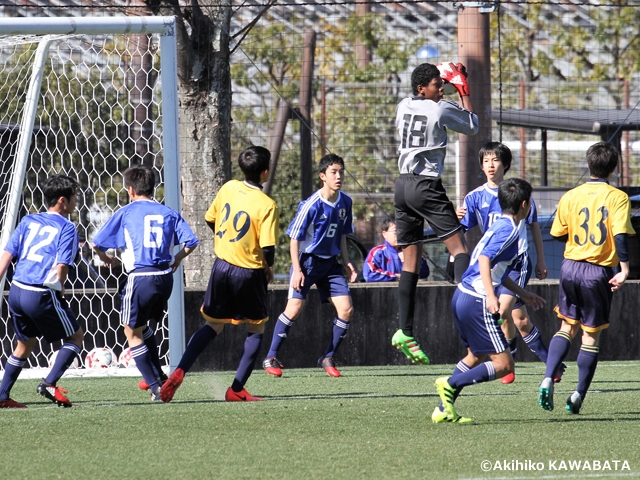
(456, 75)
(493, 304)
(297, 280)
(269, 272)
(534, 301)
(352, 273)
(541, 270)
(461, 212)
(617, 281)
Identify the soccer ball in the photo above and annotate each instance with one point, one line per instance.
(126, 359)
(101, 357)
(54, 355)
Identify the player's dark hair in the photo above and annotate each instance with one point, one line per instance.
(602, 159)
(141, 178)
(511, 194)
(387, 222)
(423, 74)
(57, 186)
(502, 152)
(253, 161)
(328, 160)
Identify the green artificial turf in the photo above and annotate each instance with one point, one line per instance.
(374, 422)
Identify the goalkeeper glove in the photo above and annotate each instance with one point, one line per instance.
(456, 75)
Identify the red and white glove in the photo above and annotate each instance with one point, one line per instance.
(456, 75)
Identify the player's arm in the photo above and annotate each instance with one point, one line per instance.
(465, 102)
(181, 255)
(106, 259)
(297, 278)
(63, 271)
(622, 249)
(344, 253)
(493, 305)
(530, 298)
(541, 265)
(5, 260)
(269, 254)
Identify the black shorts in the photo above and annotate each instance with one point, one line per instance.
(418, 198)
(236, 295)
(584, 295)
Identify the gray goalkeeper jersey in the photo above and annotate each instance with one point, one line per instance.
(422, 125)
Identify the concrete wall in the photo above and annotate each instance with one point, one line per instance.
(375, 320)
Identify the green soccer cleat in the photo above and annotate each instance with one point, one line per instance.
(545, 399)
(443, 416)
(574, 403)
(409, 347)
(446, 393)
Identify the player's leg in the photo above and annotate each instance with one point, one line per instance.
(198, 342)
(587, 362)
(285, 321)
(344, 309)
(509, 330)
(70, 349)
(295, 301)
(410, 230)
(458, 249)
(558, 350)
(55, 320)
(442, 415)
(142, 356)
(250, 351)
(12, 369)
(333, 287)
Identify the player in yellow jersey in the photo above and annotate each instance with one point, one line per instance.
(594, 221)
(245, 225)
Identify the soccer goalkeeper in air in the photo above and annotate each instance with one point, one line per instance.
(422, 122)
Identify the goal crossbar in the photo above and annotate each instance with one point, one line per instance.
(87, 25)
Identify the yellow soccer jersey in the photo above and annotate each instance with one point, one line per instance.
(591, 215)
(246, 221)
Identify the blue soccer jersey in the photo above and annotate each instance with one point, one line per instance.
(41, 242)
(319, 224)
(147, 232)
(500, 245)
(483, 208)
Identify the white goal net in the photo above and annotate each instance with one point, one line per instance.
(87, 97)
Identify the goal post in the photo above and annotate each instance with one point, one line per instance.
(71, 98)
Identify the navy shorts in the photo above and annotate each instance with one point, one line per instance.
(478, 331)
(145, 296)
(325, 273)
(236, 295)
(37, 311)
(418, 198)
(584, 294)
(520, 274)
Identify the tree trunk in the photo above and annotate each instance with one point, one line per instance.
(205, 118)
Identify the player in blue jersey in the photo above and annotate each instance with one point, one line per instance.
(245, 225)
(147, 233)
(45, 245)
(475, 302)
(317, 238)
(481, 208)
(384, 262)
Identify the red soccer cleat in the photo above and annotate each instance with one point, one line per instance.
(329, 366)
(143, 385)
(242, 396)
(169, 387)
(508, 378)
(53, 393)
(273, 366)
(10, 403)
(559, 372)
